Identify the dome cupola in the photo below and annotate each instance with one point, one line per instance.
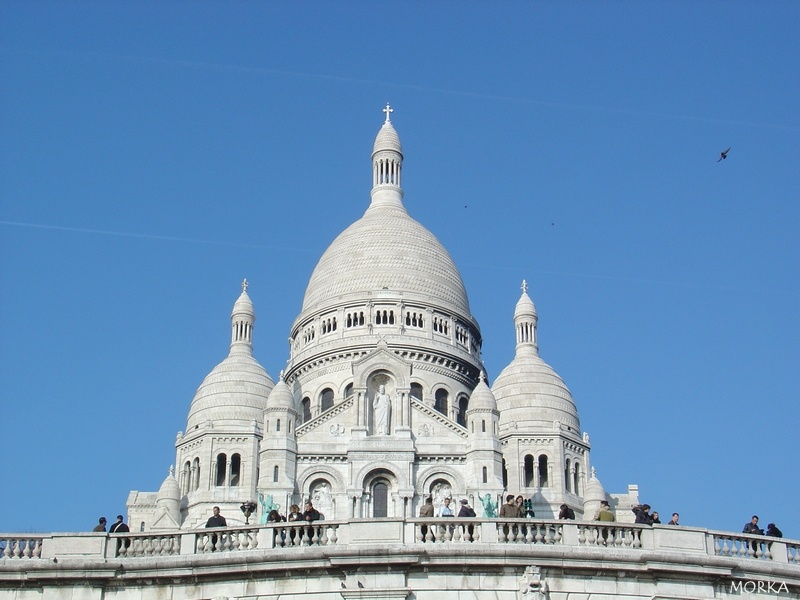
(530, 394)
(235, 392)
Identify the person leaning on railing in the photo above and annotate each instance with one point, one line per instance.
(604, 515)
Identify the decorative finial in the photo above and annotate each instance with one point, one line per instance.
(594, 473)
(388, 110)
(524, 287)
(482, 377)
(244, 285)
(171, 471)
(280, 375)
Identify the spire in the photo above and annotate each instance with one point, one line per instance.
(387, 164)
(242, 319)
(525, 319)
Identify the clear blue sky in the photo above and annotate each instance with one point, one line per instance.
(154, 154)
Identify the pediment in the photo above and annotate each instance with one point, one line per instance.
(428, 422)
(382, 359)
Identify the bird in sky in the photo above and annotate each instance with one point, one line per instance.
(724, 154)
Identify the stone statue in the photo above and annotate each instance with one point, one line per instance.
(439, 492)
(381, 406)
(489, 507)
(533, 585)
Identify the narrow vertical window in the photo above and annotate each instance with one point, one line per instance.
(236, 470)
(222, 461)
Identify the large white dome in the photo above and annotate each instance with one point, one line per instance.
(386, 249)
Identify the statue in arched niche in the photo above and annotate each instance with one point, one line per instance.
(381, 411)
(439, 492)
(322, 498)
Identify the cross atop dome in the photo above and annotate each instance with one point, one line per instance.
(524, 287)
(244, 285)
(388, 110)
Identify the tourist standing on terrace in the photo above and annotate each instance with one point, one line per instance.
(604, 512)
(752, 527)
(509, 509)
(642, 512)
(466, 510)
(774, 531)
(311, 513)
(674, 519)
(101, 525)
(445, 510)
(216, 520)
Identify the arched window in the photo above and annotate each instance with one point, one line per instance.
(485, 475)
(222, 463)
(306, 408)
(326, 399)
(278, 425)
(576, 477)
(275, 474)
(528, 467)
(186, 474)
(505, 474)
(483, 425)
(567, 477)
(196, 474)
(236, 469)
(543, 471)
(461, 418)
(380, 499)
(348, 390)
(441, 401)
(416, 391)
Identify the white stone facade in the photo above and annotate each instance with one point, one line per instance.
(383, 400)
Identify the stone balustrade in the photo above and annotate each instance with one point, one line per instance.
(409, 532)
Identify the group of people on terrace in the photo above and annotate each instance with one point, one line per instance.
(752, 527)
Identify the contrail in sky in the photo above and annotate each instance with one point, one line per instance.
(164, 238)
(427, 89)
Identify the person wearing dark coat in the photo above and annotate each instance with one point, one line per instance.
(466, 510)
(215, 520)
(642, 512)
(774, 531)
(120, 527)
(753, 529)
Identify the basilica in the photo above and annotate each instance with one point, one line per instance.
(384, 400)
(383, 406)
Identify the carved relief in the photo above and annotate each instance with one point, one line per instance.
(533, 585)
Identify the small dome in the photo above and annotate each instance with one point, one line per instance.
(532, 395)
(525, 306)
(387, 139)
(482, 397)
(243, 305)
(281, 396)
(594, 490)
(234, 393)
(170, 489)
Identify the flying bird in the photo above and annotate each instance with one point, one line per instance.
(724, 154)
